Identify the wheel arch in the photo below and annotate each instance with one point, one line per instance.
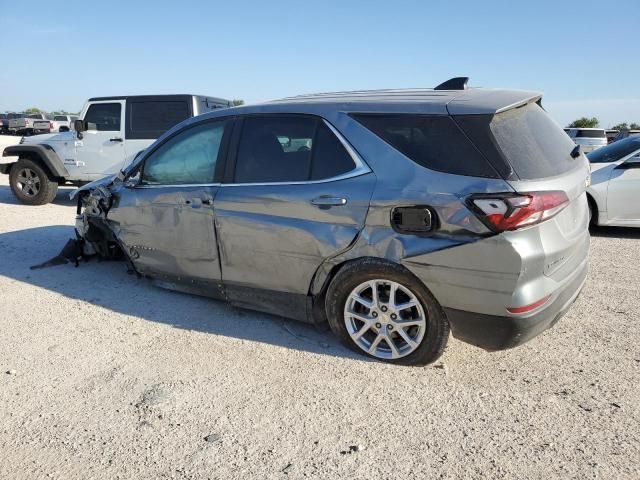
(44, 155)
(595, 208)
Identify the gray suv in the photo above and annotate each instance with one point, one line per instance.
(394, 215)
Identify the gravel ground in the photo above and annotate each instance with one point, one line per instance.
(108, 377)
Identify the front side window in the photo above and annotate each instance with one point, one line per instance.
(104, 117)
(190, 157)
(289, 149)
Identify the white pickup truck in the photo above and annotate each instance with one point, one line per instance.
(112, 130)
(64, 122)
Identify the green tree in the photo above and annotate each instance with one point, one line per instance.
(237, 102)
(585, 122)
(33, 110)
(620, 126)
(635, 126)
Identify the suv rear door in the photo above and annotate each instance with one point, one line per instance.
(295, 194)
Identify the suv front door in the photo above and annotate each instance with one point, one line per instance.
(167, 223)
(295, 194)
(101, 149)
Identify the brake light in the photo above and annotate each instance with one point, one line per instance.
(503, 212)
(50, 125)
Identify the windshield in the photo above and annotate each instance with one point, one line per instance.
(614, 151)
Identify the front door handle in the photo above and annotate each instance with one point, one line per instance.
(116, 139)
(328, 201)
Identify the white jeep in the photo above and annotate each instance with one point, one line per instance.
(112, 130)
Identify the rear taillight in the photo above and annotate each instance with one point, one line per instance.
(502, 212)
(50, 125)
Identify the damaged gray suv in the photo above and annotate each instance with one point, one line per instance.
(394, 215)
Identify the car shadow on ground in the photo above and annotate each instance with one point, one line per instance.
(107, 285)
(615, 232)
(62, 197)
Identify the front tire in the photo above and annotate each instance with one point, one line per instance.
(381, 309)
(31, 184)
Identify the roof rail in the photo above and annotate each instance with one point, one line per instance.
(456, 83)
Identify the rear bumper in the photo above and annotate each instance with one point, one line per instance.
(493, 332)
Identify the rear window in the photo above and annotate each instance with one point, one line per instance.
(150, 119)
(60, 118)
(432, 141)
(35, 116)
(614, 151)
(591, 134)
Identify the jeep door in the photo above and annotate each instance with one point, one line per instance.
(101, 149)
(295, 194)
(166, 220)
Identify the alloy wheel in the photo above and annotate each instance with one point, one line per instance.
(28, 182)
(385, 319)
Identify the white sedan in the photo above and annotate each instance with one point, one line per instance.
(614, 194)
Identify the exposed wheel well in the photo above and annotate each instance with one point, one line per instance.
(318, 308)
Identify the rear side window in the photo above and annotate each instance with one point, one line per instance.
(150, 119)
(591, 134)
(432, 141)
(289, 149)
(104, 117)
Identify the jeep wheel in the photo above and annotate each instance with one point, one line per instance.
(381, 309)
(31, 184)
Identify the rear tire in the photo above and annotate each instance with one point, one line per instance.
(406, 327)
(31, 184)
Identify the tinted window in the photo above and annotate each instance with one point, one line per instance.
(591, 134)
(189, 157)
(614, 151)
(534, 145)
(104, 117)
(288, 149)
(35, 116)
(60, 118)
(150, 119)
(433, 141)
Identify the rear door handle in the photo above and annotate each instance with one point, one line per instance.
(116, 139)
(328, 201)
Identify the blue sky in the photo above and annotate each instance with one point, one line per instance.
(581, 55)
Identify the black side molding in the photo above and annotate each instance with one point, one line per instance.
(456, 83)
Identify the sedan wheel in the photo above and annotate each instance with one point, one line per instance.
(385, 319)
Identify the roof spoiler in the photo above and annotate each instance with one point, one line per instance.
(456, 83)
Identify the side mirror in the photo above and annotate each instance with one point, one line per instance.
(79, 126)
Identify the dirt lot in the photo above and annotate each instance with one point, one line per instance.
(108, 377)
